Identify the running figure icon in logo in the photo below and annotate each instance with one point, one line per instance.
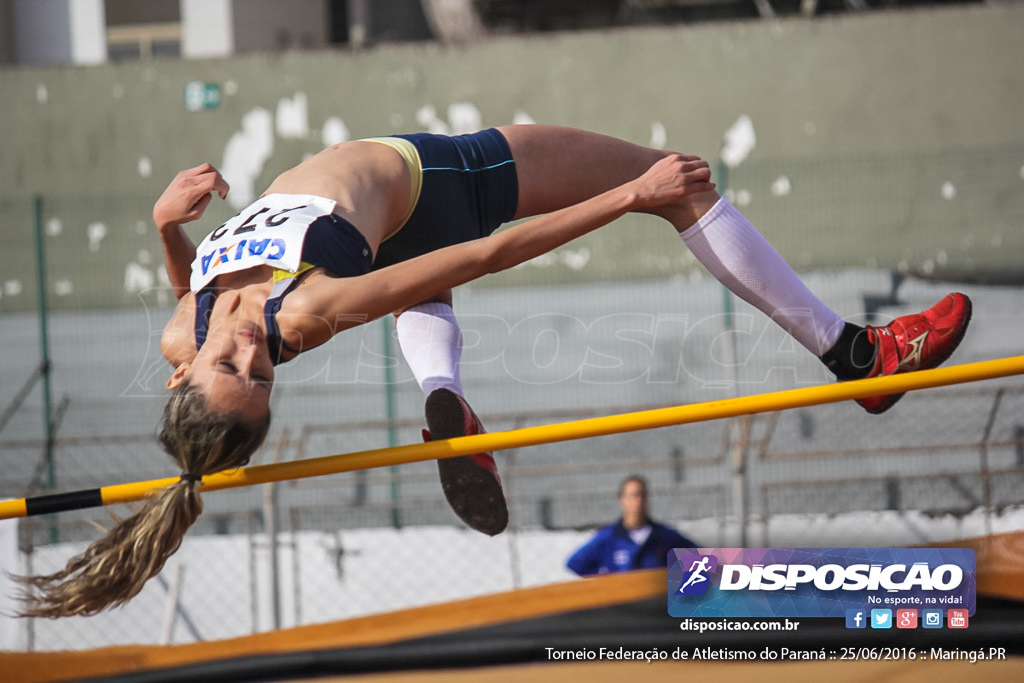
(696, 581)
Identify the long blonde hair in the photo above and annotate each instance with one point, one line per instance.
(114, 568)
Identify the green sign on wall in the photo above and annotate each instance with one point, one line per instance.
(200, 96)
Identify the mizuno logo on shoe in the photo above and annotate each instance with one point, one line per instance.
(912, 361)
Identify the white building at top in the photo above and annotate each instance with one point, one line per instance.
(53, 32)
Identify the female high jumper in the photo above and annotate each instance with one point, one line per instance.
(389, 225)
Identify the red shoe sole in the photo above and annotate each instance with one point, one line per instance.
(473, 491)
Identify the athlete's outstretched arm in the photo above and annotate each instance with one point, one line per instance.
(184, 200)
(337, 304)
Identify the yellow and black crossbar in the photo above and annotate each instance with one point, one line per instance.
(528, 436)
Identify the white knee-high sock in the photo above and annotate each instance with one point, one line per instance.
(732, 249)
(431, 342)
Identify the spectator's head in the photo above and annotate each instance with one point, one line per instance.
(633, 501)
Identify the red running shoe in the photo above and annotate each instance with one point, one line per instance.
(916, 342)
(470, 482)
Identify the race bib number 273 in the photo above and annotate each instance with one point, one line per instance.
(268, 232)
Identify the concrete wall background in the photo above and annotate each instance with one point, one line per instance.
(100, 143)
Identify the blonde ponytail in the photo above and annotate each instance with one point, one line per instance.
(114, 569)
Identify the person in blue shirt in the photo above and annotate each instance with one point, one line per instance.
(634, 542)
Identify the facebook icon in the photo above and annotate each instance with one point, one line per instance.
(855, 618)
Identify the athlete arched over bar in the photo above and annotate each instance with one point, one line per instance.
(389, 225)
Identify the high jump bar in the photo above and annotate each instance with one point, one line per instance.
(527, 436)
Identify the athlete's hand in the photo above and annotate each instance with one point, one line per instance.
(188, 195)
(671, 179)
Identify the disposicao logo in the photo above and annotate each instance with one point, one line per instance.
(818, 582)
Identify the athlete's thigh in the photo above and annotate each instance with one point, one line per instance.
(558, 167)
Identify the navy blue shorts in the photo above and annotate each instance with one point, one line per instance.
(469, 189)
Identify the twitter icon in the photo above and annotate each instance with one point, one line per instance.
(881, 618)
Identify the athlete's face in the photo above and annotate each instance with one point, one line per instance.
(232, 370)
